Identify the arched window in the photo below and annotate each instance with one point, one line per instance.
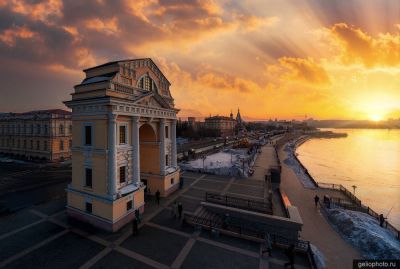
(146, 83)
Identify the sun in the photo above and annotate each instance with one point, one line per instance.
(376, 117)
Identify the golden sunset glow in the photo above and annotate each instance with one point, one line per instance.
(376, 117)
(273, 59)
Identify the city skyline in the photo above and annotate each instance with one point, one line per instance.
(324, 59)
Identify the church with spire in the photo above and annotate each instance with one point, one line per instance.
(239, 120)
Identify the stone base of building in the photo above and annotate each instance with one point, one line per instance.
(106, 214)
(166, 184)
(102, 223)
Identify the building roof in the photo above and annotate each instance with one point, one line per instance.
(218, 118)
(105, 77)
(126, 60)
(48, 111)
(39, 113)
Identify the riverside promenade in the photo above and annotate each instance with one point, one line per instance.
(316, 229)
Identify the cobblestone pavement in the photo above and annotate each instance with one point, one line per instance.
(44, 237)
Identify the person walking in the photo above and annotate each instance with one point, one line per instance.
(134, 227)
(381, 220)
(316, 200)
(180, 209)
(290, 254)
(158, 197)
(137, 216)
(174, 209)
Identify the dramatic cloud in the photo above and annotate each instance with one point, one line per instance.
(109, 27)
(270, 58)
(382, 50)
(304, 70)
(10, 36)
(46, 11)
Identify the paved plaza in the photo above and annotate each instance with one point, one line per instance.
(44, 237)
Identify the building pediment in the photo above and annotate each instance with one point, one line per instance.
(152, 100)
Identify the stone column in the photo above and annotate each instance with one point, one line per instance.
(112, 155)
(162, 146)
(173, 144)
(136, 151)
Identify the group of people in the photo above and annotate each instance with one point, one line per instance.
(157, 194)
(177, 210)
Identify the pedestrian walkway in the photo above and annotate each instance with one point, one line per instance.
(316, 229)
(264, 161)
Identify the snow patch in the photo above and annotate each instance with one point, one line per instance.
(364, 233)
(291, 161)
(226, 162)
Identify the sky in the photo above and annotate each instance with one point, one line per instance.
(286, 59)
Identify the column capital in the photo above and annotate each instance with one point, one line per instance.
(112, 116)
(135, 119)
(162, 120)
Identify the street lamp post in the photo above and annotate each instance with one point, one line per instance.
(354, 189)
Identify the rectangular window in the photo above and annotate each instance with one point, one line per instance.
(128, 205)
(89, 207)
(88, 177)
(31, 144)
(166, 160)
(46, 129)
(38, 145)
(122, 174)
(45, 145)
(70, 143)
(166, 132)
(172, 180)
(61, 145)
(122, 134)
(88, 135)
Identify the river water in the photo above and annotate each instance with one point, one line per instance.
(367, 159)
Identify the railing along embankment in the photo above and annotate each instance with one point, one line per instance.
(357, 206)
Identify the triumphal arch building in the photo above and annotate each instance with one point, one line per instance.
(123, 142)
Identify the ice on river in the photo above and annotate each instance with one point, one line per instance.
(364, 233)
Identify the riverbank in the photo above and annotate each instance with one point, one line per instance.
(316, 228)
(349, 218)
(310, 182)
